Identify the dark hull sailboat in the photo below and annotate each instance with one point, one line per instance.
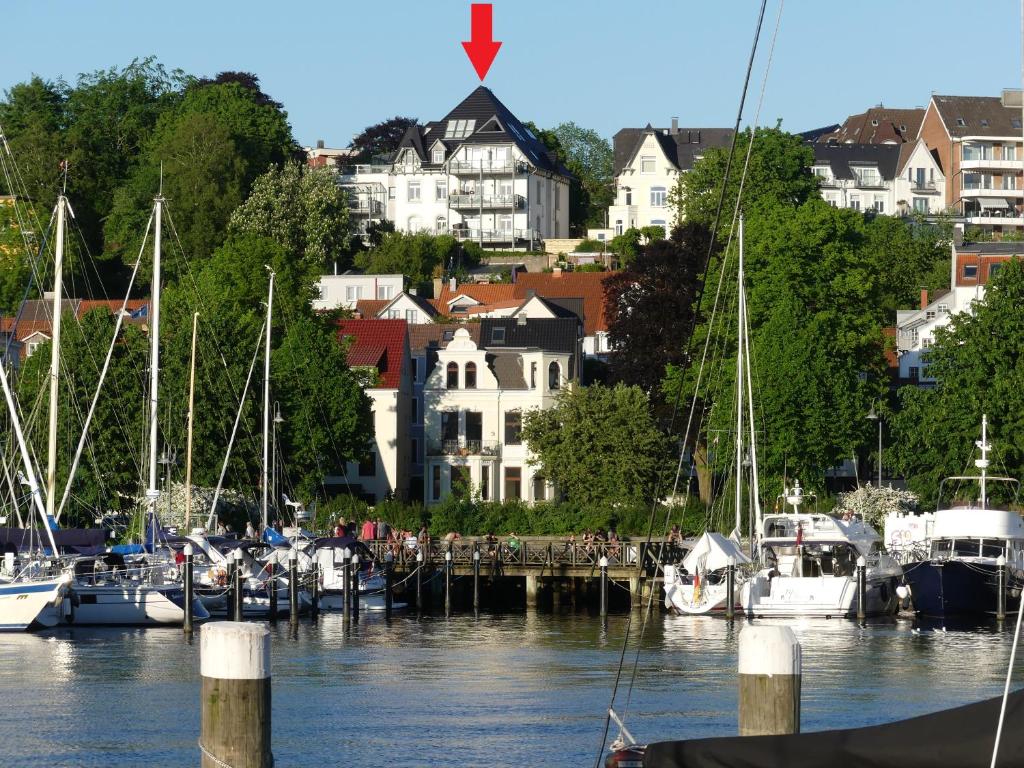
(963, 736)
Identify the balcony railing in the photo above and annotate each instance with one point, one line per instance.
(990, 192)
(869, 182)
(922, 186)
(826, 181)
(366, 207)
(463, 447)
(361, 169)
(976, 163)
(487, 201)
(463, 168)
(494, 235)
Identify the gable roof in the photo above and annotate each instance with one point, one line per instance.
(485, 293)
(370, 308)
(483, 107)
(681, 148)
(378, 343)
(34, 316)
(552, 334)
(877, 125)
(841, 156)
(559, 307)
(982, 116)
(588, 286)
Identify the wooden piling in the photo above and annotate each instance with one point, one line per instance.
(235, 698)
(769, 669)
(476, 578)
(604, 585)
(389, 575)
(314, 591)
(238, 595)
(448, 583)
(346, 586)
(730, 589)
(1001, 594)
(419, 582)
(293, 587)
(189, 589)
(532, 585)
(355, 588)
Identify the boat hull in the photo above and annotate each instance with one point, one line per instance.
(709, 598)
(942, 588)
(124, 605)
(821, 597)
(27, 604)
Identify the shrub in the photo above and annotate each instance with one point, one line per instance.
(590, 246)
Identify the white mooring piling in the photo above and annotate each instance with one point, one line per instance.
(235, 699)
(769, 667)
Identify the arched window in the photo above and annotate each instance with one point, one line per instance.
(441, 225)
(470, 375)
(453, 375)
(554, 376)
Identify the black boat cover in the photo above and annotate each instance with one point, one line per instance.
(63, 537)
(961, 737)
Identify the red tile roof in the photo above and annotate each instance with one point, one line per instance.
(380, 343)
(485, 293)
(588, 286)
(36, 317)
(369, 308)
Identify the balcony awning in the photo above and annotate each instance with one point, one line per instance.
(994, 202)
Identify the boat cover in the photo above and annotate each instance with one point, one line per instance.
(962, 736)
(64, 538)
(717, 549)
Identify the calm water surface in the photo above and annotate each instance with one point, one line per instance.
(502, 690)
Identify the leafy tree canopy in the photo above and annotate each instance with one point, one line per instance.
(419, 256)
(589, 157)
(626, 456)
(380, 139)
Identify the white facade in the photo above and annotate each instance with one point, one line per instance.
(920, 186)
(472, 422)
(642, 188)
(867, 190)
(915, 329)
(346, 289)
(404, 307)
(386, 474)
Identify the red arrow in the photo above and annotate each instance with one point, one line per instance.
(482, 48)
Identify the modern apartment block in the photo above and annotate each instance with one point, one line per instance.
(647, 163)
(478, 173)
(977, 142)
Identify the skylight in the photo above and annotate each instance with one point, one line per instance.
(961, 122)
(497, 336)
(459, 129)
(1015, 122)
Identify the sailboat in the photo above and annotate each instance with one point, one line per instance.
(969, 544)
(701, 585)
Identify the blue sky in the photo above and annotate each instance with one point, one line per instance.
(605, 64)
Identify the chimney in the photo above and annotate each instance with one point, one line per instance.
(675, 126)
(319, 143)
(530, 293)
(521, 319)
(924, 298)
(557, 272)
(451, 284)
(1011, 97)
(412, 291)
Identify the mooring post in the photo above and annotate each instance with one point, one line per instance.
(862, 588)
(235, 699)
(419, 581)
(346, 585)
(603, 562)
(293, 587)
(389, 567)
(355, 587)
(189, 590)
(239, 594)
(1001, 594)
(769, 668)
(730, 589)
(314, 592)
(272, 590)
(476, 578)
(448, 583)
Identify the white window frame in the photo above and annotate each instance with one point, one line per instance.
(441, 190)
(411, 188)
(384, 292)
(410, 316)
(648, 164)
(659, 197)
(353, 292)
(437, 156)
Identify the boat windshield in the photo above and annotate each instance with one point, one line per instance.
(968, 547)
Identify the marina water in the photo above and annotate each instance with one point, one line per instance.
(519, 689)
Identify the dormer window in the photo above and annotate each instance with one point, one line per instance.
(448, 335)
(437, 156)
(497, 336)
(984, 123)
(961, 122)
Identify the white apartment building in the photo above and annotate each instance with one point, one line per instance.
(478, 174)
(972, 266)
(894, 179)
(474, 400)
(348, 288)
(647, 163)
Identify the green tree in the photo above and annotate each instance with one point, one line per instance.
(976, 360)
(32, 118)
(15, 265)
(779, 172)
(626, 456)
(589, 157)
(302, 210)
(419, 256)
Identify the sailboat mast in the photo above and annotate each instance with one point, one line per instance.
(266, 402)
(755, 482)
(153, 493)
(983, 461)
(191, 417)
(739, 388)
(58, 290)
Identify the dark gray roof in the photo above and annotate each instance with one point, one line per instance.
(559, 334)
(877, 125)
(682, 148)
(999, 248)
(571, 308)
(816, 133)
(495, 123)
(508, 369)
(981, 116)
(841, 156)
(424, 304)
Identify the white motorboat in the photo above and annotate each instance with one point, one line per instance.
(809, 566)
(30, 602)
(699, 584)
(331, 556)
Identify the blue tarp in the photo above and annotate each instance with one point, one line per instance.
(274, 539)
(128, 549)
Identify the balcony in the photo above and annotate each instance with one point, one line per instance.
(475, 202)
(362, 170)
(366, 207)
(972, 192)
(923, 187)
(992, 218)
(464, 447)
(827, 181)
(869, 182)
(465, 168)
(493, 235)
(991, 164)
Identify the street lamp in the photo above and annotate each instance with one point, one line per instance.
(872, 416)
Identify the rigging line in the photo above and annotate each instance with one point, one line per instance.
(693, 321)
(739, 300)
